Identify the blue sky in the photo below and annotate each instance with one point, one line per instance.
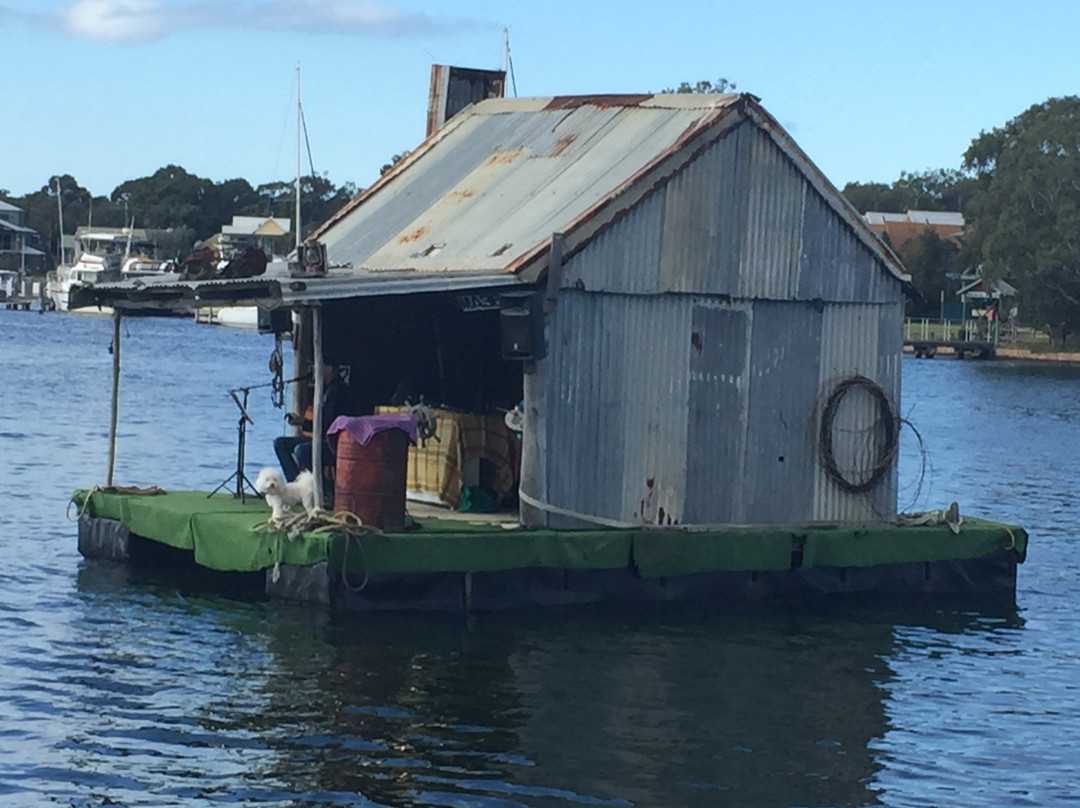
(109, 90)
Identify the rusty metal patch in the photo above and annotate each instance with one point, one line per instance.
(562, 144)
(575, 101)
(415, 235)
(504, 156)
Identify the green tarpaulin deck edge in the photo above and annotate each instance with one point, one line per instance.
(218, 531)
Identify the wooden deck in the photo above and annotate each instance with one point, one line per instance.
(24, 303)
(423, 510)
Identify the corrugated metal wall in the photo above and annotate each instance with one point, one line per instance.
(693, 344)
(855, 341)
(615, 378)
(741, 221)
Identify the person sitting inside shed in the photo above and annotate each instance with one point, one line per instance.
(294, 451)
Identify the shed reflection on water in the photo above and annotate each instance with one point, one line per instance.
(557, 710)
(537, 711)
(769, 710)
(635, 708)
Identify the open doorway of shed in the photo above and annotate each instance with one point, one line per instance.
(441, 349)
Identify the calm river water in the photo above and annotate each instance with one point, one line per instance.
(119, 689)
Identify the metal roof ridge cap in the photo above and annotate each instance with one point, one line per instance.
(686, 100)
(398, 274)
(832, 196)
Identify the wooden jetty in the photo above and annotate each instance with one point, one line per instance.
(21, 293)
(960, 348)
(963, 339)
(23, 303)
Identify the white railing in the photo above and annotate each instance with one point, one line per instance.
(923, 328)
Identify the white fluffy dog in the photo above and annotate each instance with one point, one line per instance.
(281, 496)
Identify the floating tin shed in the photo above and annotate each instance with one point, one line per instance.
(715, 299)
(722, 331)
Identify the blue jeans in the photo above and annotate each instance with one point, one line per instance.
(294, 453)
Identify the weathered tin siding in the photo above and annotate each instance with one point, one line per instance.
(704, 217)
(769, 264)
(719, 411)
(615, 379)
(835, 265)
(682, 409)
(739, 220)
(694, 342)
(623, 258)
(783, 374)
(858, 339)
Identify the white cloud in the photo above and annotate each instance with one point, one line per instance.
(353, 16)
(118, 20)
(140, 20)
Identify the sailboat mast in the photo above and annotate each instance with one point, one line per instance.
(299, 237)
(60, 208)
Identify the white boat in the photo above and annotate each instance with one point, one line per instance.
(246, 317)
(105, 254)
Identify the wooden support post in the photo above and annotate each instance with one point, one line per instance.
(317, 427)
(554, 273)
(301, 363)
(115, 395)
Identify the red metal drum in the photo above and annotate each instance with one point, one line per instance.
(369, 480)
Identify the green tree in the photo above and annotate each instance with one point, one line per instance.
(319, 199)
(43, 215)
(929, 260)
(937, 189)
(1024, 216)
(876, 196)
(171, 197)
(721, 85)
(174, 242)
(221, 201)
(397, 158)
(178, 207)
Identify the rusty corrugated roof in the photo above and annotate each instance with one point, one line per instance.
(485, 192)
(482, 196)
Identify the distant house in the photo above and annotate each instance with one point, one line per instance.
(899, 228)
(19, 244)
(980, 296)
(251, 231)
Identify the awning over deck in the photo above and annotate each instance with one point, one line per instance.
(280, 290)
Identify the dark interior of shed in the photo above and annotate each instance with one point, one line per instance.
(444, 351)
(405, 348)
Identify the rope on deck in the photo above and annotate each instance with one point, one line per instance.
(946, 516)
(293, 525)
(152, 490)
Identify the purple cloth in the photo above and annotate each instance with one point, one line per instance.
(362, 427)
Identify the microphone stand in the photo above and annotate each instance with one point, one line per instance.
(241, 440)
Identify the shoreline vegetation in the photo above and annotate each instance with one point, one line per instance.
(1017, 352)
